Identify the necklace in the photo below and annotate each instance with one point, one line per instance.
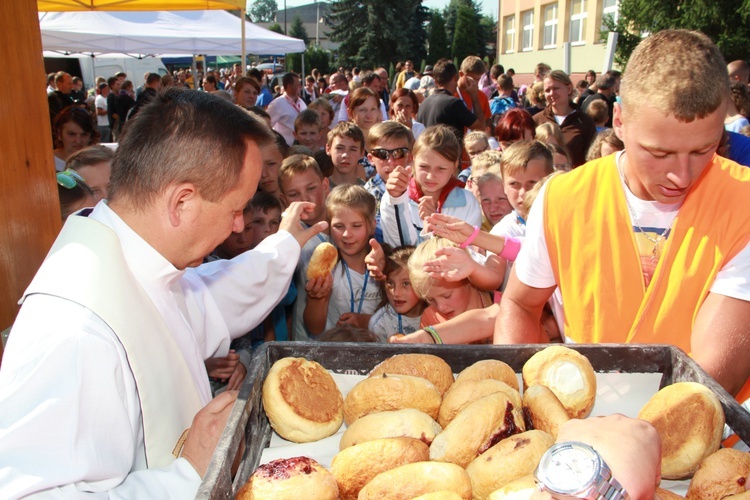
(660, 238)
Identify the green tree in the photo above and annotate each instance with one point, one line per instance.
(464, 34)
(437, 38)
(277, 28)
(263, 11)
(349, 20)
(315, 57)
(726, 22)
(482, 34)
(298, 30)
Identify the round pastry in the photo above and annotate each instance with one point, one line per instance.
(355, 466)
(568, 374)
(476, 428)
(302, 400)
(439, 495)
(542, 408)
(690, 421)
(391, 392)
(522, 488)
(426, 366)
(398, 423)
(489, 368)
(720, 475)
(322, 261)
(508, 460)
(412, 480)
(290, 479)
(463, 393)
(662, 494)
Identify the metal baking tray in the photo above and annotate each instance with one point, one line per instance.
(248, 421)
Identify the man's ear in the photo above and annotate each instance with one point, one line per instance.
(181, 202)
(617, 120)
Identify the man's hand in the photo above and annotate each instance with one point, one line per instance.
(375, 261)
(223, 368)
(237, 377)
(398, 181)
(630, 447)
(293, 215)
(319, 288)
(206, 430)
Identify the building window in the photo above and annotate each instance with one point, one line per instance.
(528, 30)
(510, 34)
(550, 26)
(611, 9)
(578, 17)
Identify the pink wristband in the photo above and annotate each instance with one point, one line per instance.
(511, 249)
(470, 239)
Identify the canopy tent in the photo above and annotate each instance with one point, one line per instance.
(138, 5)
(159, 32)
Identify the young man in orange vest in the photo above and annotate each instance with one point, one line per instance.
(649, 245)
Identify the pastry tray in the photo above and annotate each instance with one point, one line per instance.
(247, 421)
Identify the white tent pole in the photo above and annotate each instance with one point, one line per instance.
(302, 75)
(244, 49)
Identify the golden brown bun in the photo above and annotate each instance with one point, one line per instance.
(426, 366)
(323, 261)
(507, 461)
(290, 479)
(721, 474)
(518, 489)
(745, 495)
(439, 495)
(302, 400)
(489, 368)
(690, 421)
(476, 428)
(465, 392)
(568, 374)
(662, 494)
(546, 412)
(391, 392)
(412, 480)
(355, 466)
(399, 423)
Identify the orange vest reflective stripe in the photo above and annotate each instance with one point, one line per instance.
(596, 263)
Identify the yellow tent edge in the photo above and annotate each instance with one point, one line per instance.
(138, 5)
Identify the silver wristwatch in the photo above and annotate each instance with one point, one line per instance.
(572, 470)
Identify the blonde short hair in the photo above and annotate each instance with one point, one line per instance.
(476, 136)
(520, 153)
(385, 131)
(297, 165)
(483, 162)
(598, 111)
(421, 282)
(488, 177)
(442, 140)
(354, 198)
(678, 72)
(473, 65)
(548, 129)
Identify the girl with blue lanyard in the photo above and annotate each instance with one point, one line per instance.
(347, 295)
(401, 310)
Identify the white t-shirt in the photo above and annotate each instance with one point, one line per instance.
(101, 103)
(386, 322)
(344, 301)
(511, 226)
(533, 266)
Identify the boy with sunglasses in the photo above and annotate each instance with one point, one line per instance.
(390, 146)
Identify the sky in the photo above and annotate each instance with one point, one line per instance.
(489, 7)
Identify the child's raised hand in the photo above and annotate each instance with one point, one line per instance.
(427, 206)
(222, 368)
(319, 288)
(449, 227)
(450, 264)
(375, 260)
(290, 222)
(398, 181)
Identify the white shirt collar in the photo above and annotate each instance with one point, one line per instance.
(149, 267)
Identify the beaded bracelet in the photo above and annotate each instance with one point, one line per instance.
(434, 334)
(470, 239)
(511, 248)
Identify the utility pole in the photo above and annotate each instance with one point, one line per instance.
(285, 17)
(317, 23)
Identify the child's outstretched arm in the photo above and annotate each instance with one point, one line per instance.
(455, 264)
(459, 231)
(316, 309)
(375, 261)
(470, 326)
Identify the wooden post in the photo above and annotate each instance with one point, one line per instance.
(29, 205)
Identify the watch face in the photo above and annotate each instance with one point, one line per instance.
(569, 468)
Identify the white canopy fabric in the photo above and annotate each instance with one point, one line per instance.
(213, 32)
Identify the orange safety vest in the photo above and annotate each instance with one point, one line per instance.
(595, 259)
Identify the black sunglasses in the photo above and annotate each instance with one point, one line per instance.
(385, 154)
